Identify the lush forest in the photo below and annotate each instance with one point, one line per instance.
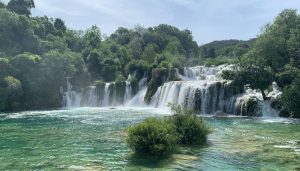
(37, 54)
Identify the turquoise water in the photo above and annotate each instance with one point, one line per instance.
(94, 139)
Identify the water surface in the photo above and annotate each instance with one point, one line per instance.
(94, 139)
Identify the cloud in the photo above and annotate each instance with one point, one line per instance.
(208, 19)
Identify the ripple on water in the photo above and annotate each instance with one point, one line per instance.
(94, 139)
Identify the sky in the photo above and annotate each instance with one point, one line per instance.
(208, 20)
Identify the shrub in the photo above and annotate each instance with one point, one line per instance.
(153, 136)
(158, 137)
(191, 129)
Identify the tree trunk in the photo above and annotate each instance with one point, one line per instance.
(263, 94)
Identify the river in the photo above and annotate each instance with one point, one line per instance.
(94, 139)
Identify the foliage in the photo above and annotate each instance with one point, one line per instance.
(291, 97)
(226, 48)
(41, 52)
(92, 37)
(16, 36)
(59, 25)
(22, 7)
(252, 71)
(152, 136)
(190, 128)
(136, 68)
(159, 137)
(10, 93)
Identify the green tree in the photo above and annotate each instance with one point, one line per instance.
(22, 7)
(16, 35)
(60, 26)
(12, 94)
(291, 97)
(92, 37)
(5, 67)
(94, 63)
(253, 71)
(149, 53)
(2, 5)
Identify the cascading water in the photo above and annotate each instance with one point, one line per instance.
(106, 95)
(203, 90)
(128, 91)
(70, 97)
(138, 99)
(103, 95)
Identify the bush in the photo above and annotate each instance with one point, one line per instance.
(153, 136)
(191, 129)
(158, 137)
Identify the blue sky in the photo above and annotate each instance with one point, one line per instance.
(207, 19)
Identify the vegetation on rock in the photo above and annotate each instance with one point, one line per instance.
(153, 136)
(158, 137)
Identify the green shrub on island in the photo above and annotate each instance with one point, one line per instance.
(190, 128)
(155, 137)
(159, 137)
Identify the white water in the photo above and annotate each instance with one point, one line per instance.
(128, 92)
(106, 96)
(202, 90)
(70, 97)
(205, 91)
(138, 99)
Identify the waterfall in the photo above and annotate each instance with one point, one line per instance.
(138, 99)
(207, 97)
(143, 82)
(103, 95)
(90, 97)
(70, 97)
(106, 95)
(128, 92)
(203, 90)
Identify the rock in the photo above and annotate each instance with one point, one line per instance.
(159, 76)
(221, 115)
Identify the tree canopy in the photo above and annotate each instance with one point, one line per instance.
(22, 7)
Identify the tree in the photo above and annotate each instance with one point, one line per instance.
(5, 67)
(291, 97)
(149, 53)
(2, 5)
(60, 25)
(16, 34)
(10, 94)
(253, 71)
(21, 7)
(93, 63)
(92, 37)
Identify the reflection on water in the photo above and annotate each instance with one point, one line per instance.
(94, 139)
